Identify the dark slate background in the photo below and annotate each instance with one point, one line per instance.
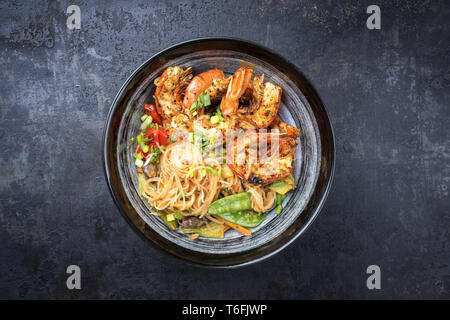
(387, 94)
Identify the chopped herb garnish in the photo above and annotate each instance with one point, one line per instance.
(138, 155)
(202, 141)
(212, 171)
(219, 114)
(193, 107)
(178, 216)
(191, 137)
(155, 154)
(203, 100)
(280, 198)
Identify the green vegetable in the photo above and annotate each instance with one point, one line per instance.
(170, 217)
(178, 216)
(234, 203)
(191, 137)
(203, 100)
(212, 171)
(145, 148)
(139, 139)
(247, 219)
(201, 141)
(172, 224)
(279, 201)
(144, 117)
(138, 156)
(214, 119)
(226, 172)
(219, 114)
(210, 230)
(206, 100)
(282, 186)
(147, 122)
(193, 107)
(279, 209)
(155, 154)
(143, 183)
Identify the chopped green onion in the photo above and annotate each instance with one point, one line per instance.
(212, 171)
(170, 217)
(206, 100)
(191, 137)
(139, 163)
(138, 155)
(219, 114)
(144, 117)
(178, 216)
(279, 209)
(145, 148)
(146, 123)
(214, 119)
(147, 139)
(193, 107)
(200, 100)
(280, 198)
(139, 139)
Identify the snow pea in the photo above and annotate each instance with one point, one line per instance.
(234, 203)
(247, 219)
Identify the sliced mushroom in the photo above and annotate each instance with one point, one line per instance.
(150, 170)
(193, 222)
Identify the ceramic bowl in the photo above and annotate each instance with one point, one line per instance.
(301, 107)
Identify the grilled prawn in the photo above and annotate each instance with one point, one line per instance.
(211, 80)
(244, 156)
(236, 88)
(169, 88)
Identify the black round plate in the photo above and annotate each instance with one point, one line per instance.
(301, 106)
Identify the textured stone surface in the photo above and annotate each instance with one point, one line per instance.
(387, 93)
